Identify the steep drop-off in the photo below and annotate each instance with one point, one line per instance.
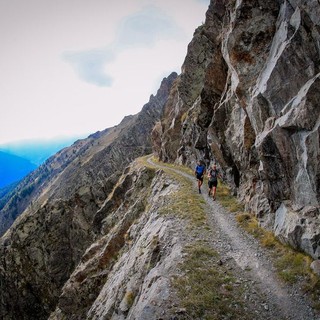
(248, 98)
(59, 217)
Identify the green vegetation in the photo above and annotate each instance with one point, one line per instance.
(129, 298)
(184, 116)
(206, 289)
(227, 200)
(292, 266)
(184, 202)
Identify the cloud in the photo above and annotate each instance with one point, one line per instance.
(139, 30)
(207, 2)
(89, 65)
(145, 28)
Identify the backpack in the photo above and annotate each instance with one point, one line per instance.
(213, 175)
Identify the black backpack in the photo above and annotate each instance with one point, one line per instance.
(213, 175)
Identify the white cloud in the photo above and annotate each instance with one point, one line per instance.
(145, 27)
(141, 29)
(89, 65)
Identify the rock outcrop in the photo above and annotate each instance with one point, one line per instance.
(248, 98)
(61, 216)
(127, 269)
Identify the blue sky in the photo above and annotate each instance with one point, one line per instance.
(70, 68)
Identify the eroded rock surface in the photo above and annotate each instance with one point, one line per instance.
(125, 274)
(248, 97)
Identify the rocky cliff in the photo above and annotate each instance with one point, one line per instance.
(127, 269)
(60, 216)
(98, 239)
(248, 98)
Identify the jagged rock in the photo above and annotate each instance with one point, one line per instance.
(248, 98)
(125, 273)
(315, 266)
(87, 245)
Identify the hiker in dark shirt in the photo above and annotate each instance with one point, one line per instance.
(213, 175)
(199, 173)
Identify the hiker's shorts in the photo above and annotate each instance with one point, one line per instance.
(212, 184)
(200, 177)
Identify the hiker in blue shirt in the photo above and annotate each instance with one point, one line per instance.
(199, 173)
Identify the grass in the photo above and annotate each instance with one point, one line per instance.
(185, 202)
(227, 200)
(205, 291)
(208, 291)
(292, 266)
(174, 166)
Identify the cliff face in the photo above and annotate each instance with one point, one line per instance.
(127, 269)
(248, 97)
(59, 218)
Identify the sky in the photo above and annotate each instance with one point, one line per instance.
(73, 67)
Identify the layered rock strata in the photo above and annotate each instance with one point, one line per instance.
(128, 268)
(248, 98)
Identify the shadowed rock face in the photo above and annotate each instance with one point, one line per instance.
(248, 97)
(60, 217)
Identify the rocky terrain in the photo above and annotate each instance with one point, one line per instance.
(248, 98)
(100, 234)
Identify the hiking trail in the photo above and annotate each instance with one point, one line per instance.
(240, 250)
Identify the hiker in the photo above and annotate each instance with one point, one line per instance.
(213, 175)
(199, 173)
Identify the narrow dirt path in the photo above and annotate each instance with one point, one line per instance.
(278, 300)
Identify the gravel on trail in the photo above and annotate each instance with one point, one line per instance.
(252, 265)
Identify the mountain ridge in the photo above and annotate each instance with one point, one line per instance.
(60, 210)
(97, 243)
(13, 168)
(38, 150)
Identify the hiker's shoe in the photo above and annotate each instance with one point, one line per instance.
(199, 190)
(214, 198)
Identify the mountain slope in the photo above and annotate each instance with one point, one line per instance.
(248, 99)
(93, 243)
(155, 258)
(13, 168)
(61, 210)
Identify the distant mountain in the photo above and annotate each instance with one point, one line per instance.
(6, 192)
(13, 168)
(39, 150)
